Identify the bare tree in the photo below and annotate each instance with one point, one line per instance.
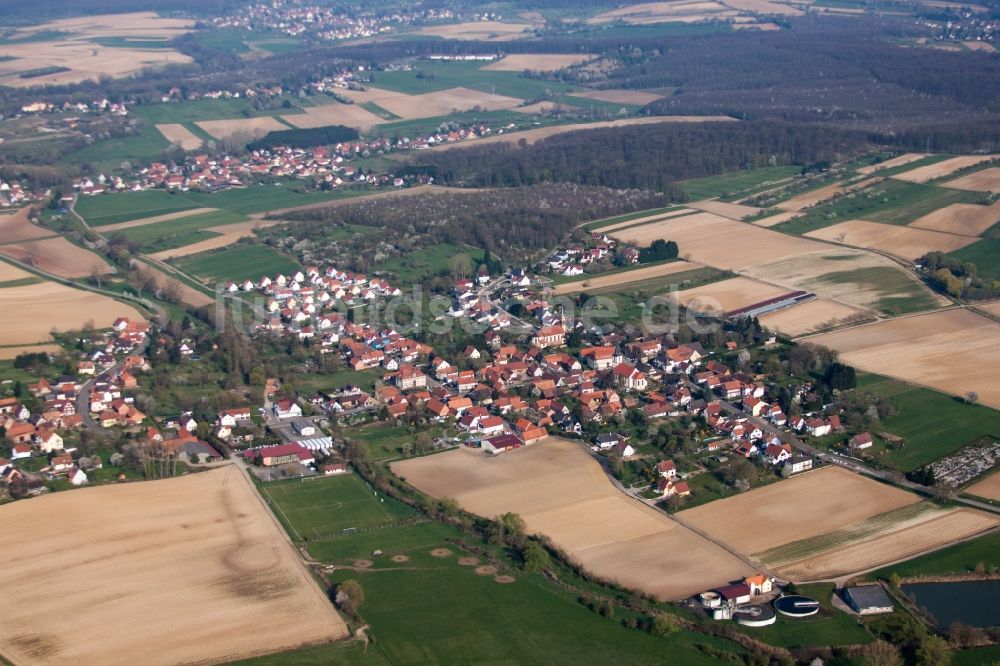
(972, 397)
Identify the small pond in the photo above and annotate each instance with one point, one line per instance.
(975, 603)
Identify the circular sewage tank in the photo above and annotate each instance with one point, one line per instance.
(795, 605)
(754, 615)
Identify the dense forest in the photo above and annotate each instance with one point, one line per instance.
(509, 223)
(305, 138)
(643, 156)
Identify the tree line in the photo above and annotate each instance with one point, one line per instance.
(651, 157)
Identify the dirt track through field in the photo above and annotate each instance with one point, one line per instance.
(167, 217)
(158, 572)
(955, 351)
(561, 492)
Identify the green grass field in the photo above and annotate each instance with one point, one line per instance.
(112, 209)
(985, 254)
(737, 183)
(890, 202)
(984, 656)
(125, 207)
(325, 506)
(473, 619)
(933, 424)
(238, 262)
(425, 263)
(959, 558)
(364, 379)
(177, 233)
(444, 75)
(898, 293)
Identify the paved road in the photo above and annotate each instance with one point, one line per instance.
(892, 478)
(605, 465)
(87, 388)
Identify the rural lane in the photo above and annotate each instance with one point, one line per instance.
(844, 461)
(603, 462)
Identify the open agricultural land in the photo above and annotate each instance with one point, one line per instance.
(985, 180)
(930, 424)
(57, 256)
(486, 592)
(619, 96)
(88, 48)
(942, 169)
(830, 523)
(727, 295)
(46, 306)
(988, 487)
(547, 62)
(179, 135)
(718, 241)
(854, 278)
(961, 219)
(237, 262)
(901, 241)
(17, 226)
(532, 135)
(623, 278)
(203, 544)
(487, 31)
(812, 316)
(254, 127)
(563, 493)
(901, 160)
(955, 351)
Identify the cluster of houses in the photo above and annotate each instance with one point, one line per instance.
(102, 105)
(14, 194)
(571, 261)
(325, 22)
(29, 434)
(322, 167)
(304, 303)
